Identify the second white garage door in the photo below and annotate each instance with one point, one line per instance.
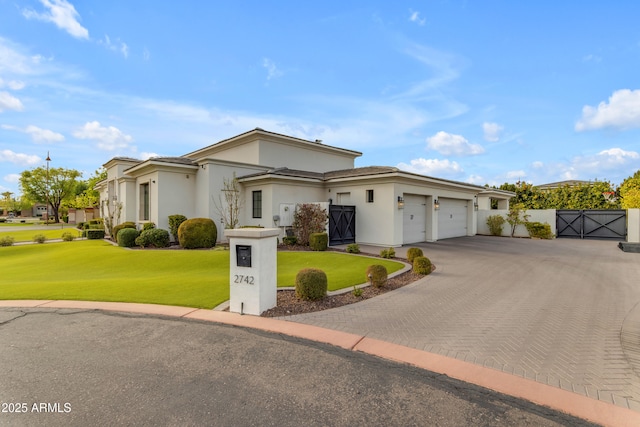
(452, 218)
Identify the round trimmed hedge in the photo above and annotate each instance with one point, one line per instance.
(196, 233)
(311, 284)
(422, 265)
(127, 237)
(156, 237)
(377, 275)
(413, 253)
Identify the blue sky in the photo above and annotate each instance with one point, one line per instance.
(476, 91)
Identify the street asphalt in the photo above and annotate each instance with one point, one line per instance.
(72, 367)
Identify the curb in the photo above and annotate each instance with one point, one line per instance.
(570, 403)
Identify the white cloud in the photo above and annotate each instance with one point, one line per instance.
(272, 70)
(37, 134)
(537, 165)
(431, 167)
(147, 156)
(12, 84)
(450, 144)
(519, 175)
(476, 179)
(146, 55)
(108, 138)
(613, 164)
(12, 178)
(415, 17)
(622, 112)
(492, 131)
(117, 46)
(62, 14)
(9, 102)
(43, 135)
(18, 158)
(591, 58)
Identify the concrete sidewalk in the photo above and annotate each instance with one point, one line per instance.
(549, 311)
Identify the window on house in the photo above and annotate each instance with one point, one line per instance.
(257, 204)
(144, 202)
(369, 196)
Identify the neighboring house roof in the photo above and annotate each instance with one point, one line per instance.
(568, 183)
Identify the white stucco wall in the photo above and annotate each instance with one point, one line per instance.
(633, 225)
(177, 196)
(209, 199)
(535, 215)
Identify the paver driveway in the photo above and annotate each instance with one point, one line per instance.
(551, 311)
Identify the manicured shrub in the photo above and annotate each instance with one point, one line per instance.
(539, 230)
(422, 265)
(311, 284)
(39, 238)
(413, 253)
(388, 253)
(148, 226)
(155, 237)
(127, 237)
(319, 241)
(6, 241)
(68, 236)
(290, 240)
(94, 234)
(197, 233)
(97, 221)
(353, 248)
(80, 225)
(495, 223)
(174, 224)
(377, 275)
(117, 228)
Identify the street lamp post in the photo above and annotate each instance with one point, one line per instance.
(47, 205)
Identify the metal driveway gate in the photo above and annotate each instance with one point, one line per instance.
(342, 224)
(592, 224)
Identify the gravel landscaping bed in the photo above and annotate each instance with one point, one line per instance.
(289, 304)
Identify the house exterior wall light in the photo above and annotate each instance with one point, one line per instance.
(436, 204)
(400, 202)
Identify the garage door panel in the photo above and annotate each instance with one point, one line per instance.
(414, 219)
(452, 218)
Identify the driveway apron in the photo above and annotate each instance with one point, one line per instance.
(551, 311)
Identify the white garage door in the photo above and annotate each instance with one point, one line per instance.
(415, 219)
(452, 218)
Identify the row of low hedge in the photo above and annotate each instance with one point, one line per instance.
(311, 283)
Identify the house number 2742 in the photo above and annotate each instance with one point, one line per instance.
(238, 278)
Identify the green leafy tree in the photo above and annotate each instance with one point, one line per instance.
(586, 196)
(527, 196)
(6, 201)
(86, 196)
(630, 192)
(57, 185)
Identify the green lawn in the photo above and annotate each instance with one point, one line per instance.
(94, 270)
(54, 231)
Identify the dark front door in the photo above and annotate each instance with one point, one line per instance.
(342, 224)
(592, 224)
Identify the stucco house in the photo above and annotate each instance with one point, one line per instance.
(376, 205)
